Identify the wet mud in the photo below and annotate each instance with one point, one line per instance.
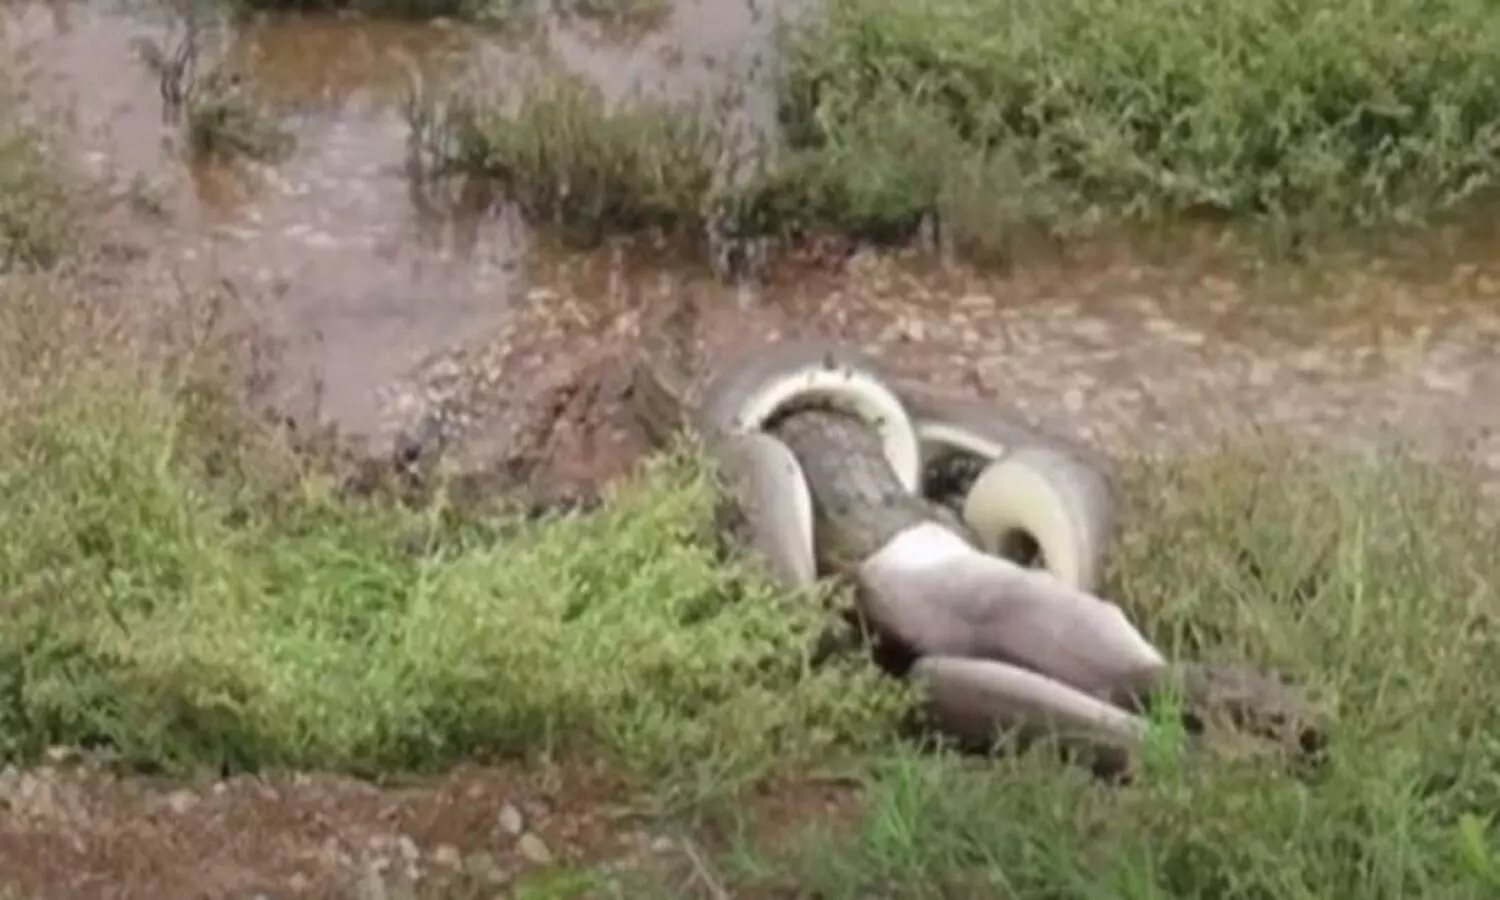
(387, 309)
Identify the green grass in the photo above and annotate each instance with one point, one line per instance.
(1001, 121)
(1329, 113)
(176, 594)
(216, 113)
(174, 588)
(177, 586)
(569, 160)
(222, 122)
(1371, 583)
(586, 169)
(38, 216)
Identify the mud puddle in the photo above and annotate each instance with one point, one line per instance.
(389, 309)
(356, 273)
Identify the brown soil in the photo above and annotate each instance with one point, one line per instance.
(73, 830)
(388, 316)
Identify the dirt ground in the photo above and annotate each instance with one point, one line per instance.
(72, 829)
(386, 317)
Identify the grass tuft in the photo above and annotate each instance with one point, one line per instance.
(1331, 113)
(984, 124)
(177, 587)
(172, 592)
(217, 114)
(1370, 581)
(38, 215)
(569, 160)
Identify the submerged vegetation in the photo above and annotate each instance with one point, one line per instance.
(571, 162)
(985, 119)
(587, 169)
(207, 100)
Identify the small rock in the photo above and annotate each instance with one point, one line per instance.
(482, 865)
(663, 844)
(534, 849)
(447, 855)
(511, 820)
(1447, 382)
(10, 782)
(181, 801)
(371, 885)
(408, 848)
(63, 755)
(1262, 372)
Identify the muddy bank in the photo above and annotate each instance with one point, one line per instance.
(389, 307)
(359, 276)
(74, 830)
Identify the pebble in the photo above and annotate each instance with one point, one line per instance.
(10, 782)
(61, 755)
(408, 848)
(511, 820)
(371, 885)
(534, 849)
(181, 801)
(482, 865)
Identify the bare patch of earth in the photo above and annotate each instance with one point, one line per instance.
(386, 315)
(1129, 358)
(71, 829)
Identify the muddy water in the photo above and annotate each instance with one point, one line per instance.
(359, 279)
(353, 277)
(388, 309)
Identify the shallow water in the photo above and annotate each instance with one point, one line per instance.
(388, 306)
(364, 278)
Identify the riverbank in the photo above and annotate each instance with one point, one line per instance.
(995, 128)
(224, 677)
